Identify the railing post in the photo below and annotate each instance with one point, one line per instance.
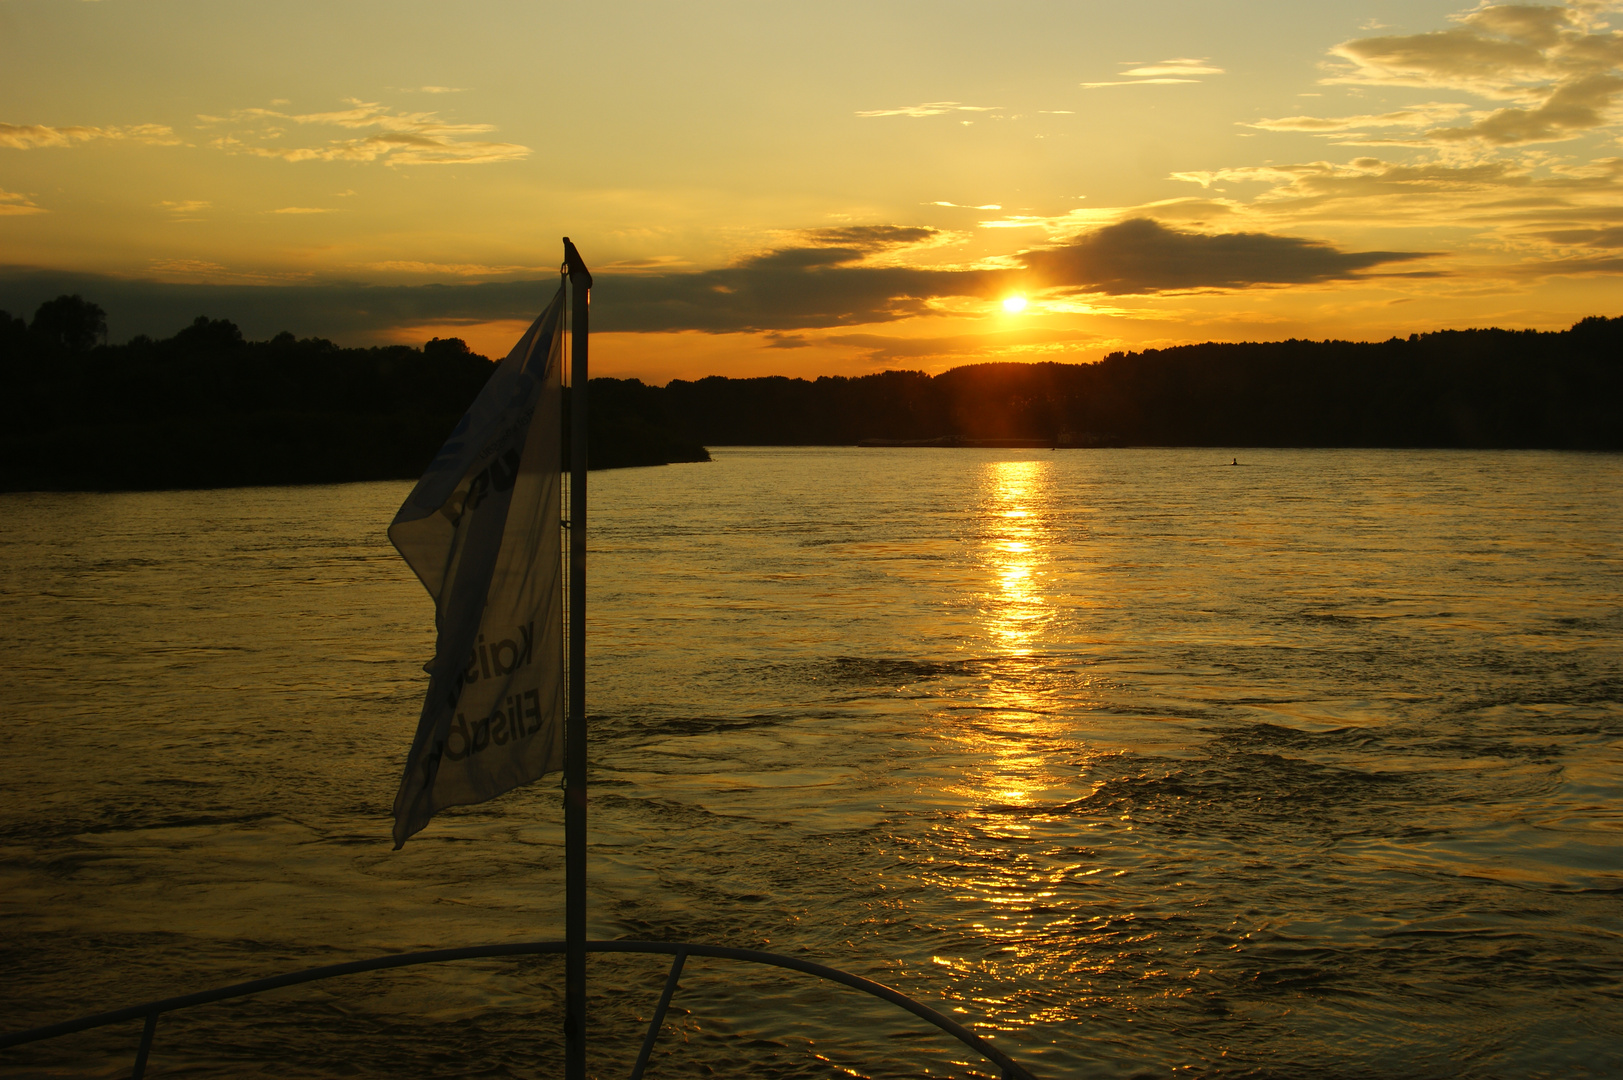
(147, 1032)
(659, 1015)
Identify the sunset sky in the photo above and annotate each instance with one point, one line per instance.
(804, 189)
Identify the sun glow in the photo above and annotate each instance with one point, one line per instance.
(1014, 304)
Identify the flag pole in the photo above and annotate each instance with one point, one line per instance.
(580, 288)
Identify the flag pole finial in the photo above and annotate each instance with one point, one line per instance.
(577, 266)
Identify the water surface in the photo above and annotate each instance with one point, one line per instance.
(1150, 764)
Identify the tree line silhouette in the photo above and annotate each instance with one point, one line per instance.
(1465, 388)
(207, 408)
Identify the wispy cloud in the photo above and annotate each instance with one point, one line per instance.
(1508, 208)
(437, 269)
(210, 275)
(870, 238)
(1026, 343)
(13, 204)
(1414, 116)
(185, 209)
(303, 210)
(382, 134)
(396, 138)
(1558, 68)
(647, 264)
(34, 136)
(1179, 70)
(930, 108)
(965, 206)
(1201, 213)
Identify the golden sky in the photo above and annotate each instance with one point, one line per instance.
(804, 189)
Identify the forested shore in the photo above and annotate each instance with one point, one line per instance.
(205, 408)
(1466, 389)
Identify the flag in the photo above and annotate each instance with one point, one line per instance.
(481, 530)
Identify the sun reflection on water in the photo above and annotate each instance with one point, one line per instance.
(1016, 608)
(1006, 721)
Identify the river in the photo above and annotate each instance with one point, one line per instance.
(1144, 763)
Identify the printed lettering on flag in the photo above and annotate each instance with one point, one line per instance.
(481, 530)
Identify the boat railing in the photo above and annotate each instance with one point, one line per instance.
(678, 951)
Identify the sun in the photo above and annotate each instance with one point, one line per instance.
(1013, 304)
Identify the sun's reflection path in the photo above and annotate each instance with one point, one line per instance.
(1016, 492)
(1006, 843)
(1007, 716)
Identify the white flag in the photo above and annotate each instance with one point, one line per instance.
(481, 531)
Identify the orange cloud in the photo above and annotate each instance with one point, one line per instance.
(34, 136)
(13, 204)
(1180, 70)
(1558, 66)
(397, 138)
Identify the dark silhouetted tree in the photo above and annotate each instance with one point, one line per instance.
(449, 347)
(209, 335)
(71, 322)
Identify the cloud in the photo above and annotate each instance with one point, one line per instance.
(1140, 256)
(1572, 108)
(407, 266)
(1025, 344)
(1414, 116)
(34, 136)
(396, 138)
(963, 206)
(929, 108)
(173, 274)
(1019, 221)
(303, 210)
(13, 204)
(871, 237)
(185, 207)
(1486, 183)
(1508, 208)
(1179, 70)
(1556, 67)
(1180, 67)
(1600, 238)
(646, 264)
(1200, 212)
(784, 290)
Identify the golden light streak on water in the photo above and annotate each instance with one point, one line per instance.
(1017, 607)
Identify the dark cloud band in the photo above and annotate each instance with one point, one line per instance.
(1143, 256)
(823, 285)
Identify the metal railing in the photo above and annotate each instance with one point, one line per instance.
(149, 1012)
